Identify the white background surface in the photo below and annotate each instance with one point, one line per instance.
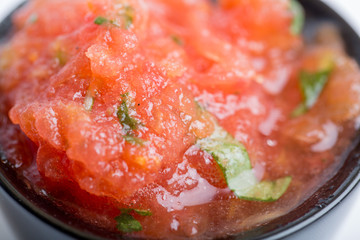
(341, 223)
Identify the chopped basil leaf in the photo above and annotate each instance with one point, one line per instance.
(234, 162)
(311, 85)
(61, 57)
(133, 140)
(298, 17)
(138, 211)
(101, 20)
(300, 110)
(177, 40)
(128, 16)
(127, 223)
(143, 212)
(128, 122)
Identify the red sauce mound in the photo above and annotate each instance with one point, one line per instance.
(116, 93)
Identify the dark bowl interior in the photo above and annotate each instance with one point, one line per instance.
(331, 193)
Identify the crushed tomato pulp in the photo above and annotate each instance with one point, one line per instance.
(174, 119)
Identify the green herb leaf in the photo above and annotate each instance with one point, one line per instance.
(298, 17)
(134, 140)
(127, 223)
(128, 16)
(300, 110)
(61, 57)
(143, 212)
(101, 20)
(234, 161)
(128, 122)
(311, 85)
(177, 40)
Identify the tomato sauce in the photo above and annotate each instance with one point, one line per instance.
(143, 117)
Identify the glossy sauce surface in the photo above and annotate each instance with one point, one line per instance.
(114, 95)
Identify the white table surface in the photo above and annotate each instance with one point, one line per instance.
(343, 222)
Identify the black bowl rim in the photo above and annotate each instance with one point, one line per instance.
(283, 231)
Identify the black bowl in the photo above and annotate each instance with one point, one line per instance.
(34, 217)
